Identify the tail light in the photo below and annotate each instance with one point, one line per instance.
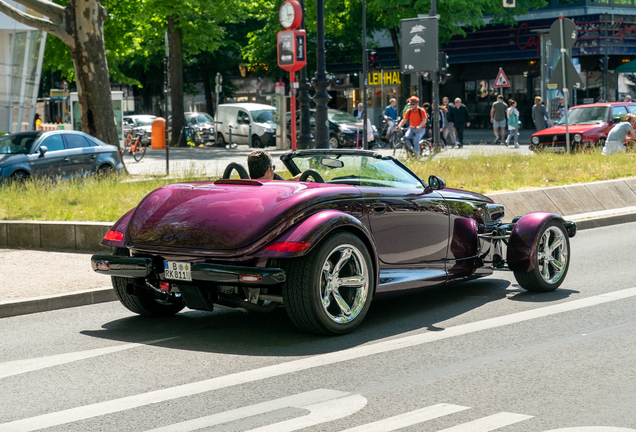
(114, 236)
(287, 246)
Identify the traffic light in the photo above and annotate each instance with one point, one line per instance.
(372, 60)
(601, 64)
(442, 62)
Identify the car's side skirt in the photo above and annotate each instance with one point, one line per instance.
(404, 279)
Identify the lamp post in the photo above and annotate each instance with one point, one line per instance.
(365, 75)
(306, 139)
(320, 80)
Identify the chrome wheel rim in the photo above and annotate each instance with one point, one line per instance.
(552, 256)
(333, 142)
(344, 284)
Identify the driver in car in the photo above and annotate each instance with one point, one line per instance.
(261, 167)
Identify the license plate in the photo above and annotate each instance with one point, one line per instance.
(178, 270)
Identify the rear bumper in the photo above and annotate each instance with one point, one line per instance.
(139, 267)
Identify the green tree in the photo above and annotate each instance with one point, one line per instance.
(80, 26)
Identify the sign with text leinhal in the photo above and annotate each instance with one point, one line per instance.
(419, 44)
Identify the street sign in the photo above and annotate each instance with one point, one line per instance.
(553, 86)
(419, 44)
(572, 78)
(501, 80)
(219, 78)
(569, 33)
(218, 88)
(292, 50)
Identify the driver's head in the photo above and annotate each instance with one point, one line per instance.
(260, 165)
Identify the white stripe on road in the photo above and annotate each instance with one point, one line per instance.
(408, 419)
(323, 406)
(29, 365)
(158, 396)
(489, 423)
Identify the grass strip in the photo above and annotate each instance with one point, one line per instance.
(107, 198)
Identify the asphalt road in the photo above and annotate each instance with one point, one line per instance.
(479, 356)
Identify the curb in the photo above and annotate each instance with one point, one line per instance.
(107, 294)
(57, 301)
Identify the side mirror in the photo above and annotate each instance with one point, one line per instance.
(436, 183)
(43, 149)
(246, 121)
(616, 120)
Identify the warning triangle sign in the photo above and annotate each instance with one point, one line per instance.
(501, 80)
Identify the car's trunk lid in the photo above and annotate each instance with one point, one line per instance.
(222, 215)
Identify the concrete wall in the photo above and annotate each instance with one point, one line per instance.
(54, 236)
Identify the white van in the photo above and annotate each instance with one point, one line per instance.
(239, 117)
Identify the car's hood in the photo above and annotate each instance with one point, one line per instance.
(450, 193)
(6, 159)
(204, 216)
(573, 129)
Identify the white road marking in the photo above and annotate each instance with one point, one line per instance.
(126, 403)
(323, 406)
(29, 365)
(489, 423)
(593, 429)
(408, 419)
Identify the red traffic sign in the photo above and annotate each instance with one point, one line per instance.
(501, 80)
(291, 50)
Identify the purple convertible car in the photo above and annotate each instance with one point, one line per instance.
(365, 225)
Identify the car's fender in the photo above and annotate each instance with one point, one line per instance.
(316, 227)
(119, 226)
(524, 238)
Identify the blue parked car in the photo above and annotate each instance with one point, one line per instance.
(60, 153)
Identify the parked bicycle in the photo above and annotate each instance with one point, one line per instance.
(135, 146)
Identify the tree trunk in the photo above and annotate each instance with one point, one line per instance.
(175, 41)
(85, 26)
(207, 89)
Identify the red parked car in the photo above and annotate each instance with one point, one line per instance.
(588, 127)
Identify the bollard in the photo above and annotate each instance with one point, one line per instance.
(230, 140)
(250, 141)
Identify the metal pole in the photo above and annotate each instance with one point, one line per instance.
(292, 103)
(365, 74)
(321, 98)
(434, 75)
(565, 86)
(166, 85)
(306, 139)
(606, 63)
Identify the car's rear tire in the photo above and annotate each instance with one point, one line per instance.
(140, 305)
(105, 170)
(315, 295)
(553, 260)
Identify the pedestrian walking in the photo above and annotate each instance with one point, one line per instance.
(449, 135)
(615, 142)
(539, 114)
(561, 108)
(417, 117)
(498, 118)
(460, 117)
(513, 123)
(390, 116)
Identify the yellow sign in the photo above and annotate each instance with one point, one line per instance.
(386, 78)
(552, 86)
(59, 94)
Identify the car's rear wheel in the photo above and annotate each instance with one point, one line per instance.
(329, 290)
(105, 170)
(141, 305)
(552, 262)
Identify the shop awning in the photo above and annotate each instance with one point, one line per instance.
(627, 67)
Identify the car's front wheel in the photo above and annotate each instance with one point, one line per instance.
(334, 142)
(552, 260)
(329, 290)
(142, 305)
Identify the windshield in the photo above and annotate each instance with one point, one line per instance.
(358, 170)
(200, 117)
(264, 116)
(586, 115)
(16, 144)
(341, 117)
(144, 121)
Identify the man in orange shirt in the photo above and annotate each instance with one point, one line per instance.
(417, 125)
